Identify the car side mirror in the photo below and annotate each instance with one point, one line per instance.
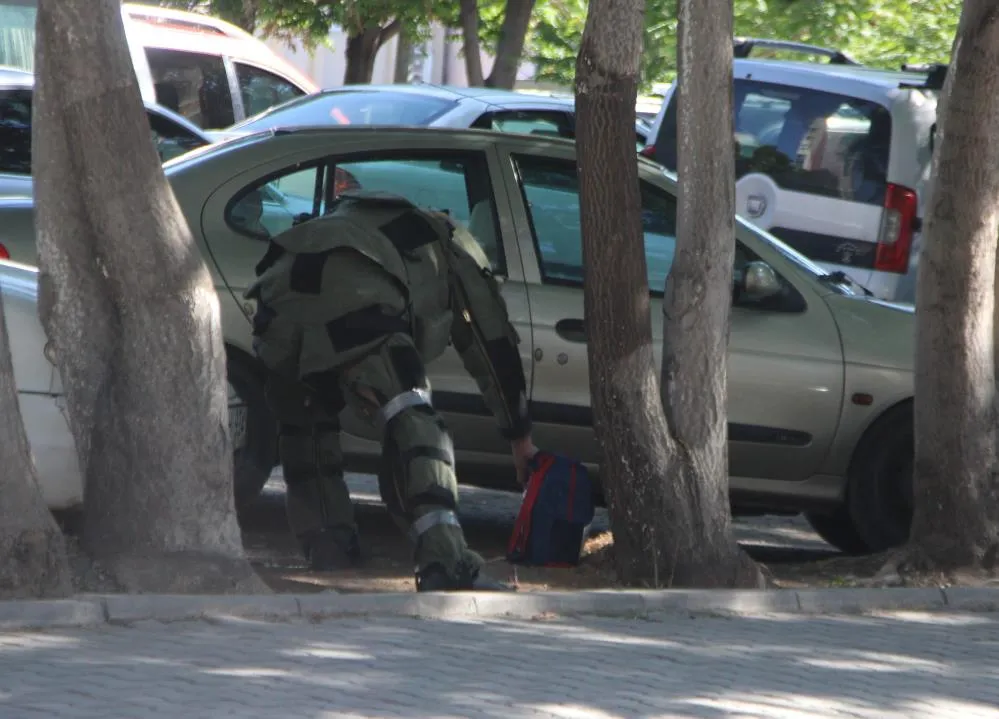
(759, 281)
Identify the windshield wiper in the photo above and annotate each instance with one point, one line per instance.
(841, 278)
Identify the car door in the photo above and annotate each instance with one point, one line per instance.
(462, 181)
(785, 373)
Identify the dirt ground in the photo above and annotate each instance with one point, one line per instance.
(388, 566)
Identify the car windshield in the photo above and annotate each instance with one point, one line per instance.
(350, 107)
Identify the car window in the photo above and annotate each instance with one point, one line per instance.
(261, 89)
(194, 85)
(807, 141)
(526, 122)
(551, 192)
(457, 184)
(15, 131)
(351, 107)
(170, 138)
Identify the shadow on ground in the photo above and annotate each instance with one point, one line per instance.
(920, 666)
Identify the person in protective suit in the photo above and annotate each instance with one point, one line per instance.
(351, 306)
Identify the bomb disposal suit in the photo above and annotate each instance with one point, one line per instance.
(351, 306)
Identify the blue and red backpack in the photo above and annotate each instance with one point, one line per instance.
(557, 508)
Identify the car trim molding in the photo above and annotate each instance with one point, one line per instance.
(577, 416)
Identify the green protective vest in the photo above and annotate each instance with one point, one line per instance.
(412, 246)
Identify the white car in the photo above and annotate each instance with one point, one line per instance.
(425, 105)
(40, 393)
(39, 390)
(831, 157)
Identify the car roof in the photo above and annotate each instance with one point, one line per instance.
(811, 74)
(241, 143)
(446, 92)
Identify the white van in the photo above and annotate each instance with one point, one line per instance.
(205, 69)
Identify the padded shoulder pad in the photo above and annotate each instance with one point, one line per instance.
(332, 232)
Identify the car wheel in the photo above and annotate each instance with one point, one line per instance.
(837, 529)
(879, 490)
(253, 432)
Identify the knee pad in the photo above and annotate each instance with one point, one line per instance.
(424, 453)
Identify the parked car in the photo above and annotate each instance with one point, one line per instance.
(820, 375)
(203, 68)
(832, 157)
(426, 105)
(172, 134)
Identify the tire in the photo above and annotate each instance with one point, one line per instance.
(253, 431)
(879, 487)
(838, 530)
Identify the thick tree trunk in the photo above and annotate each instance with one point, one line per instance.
(956, 493)
(362, 50)
(516, 20)
(697, 301)
(33, 561)
(129, 305)
(664, 534)
(470, 36)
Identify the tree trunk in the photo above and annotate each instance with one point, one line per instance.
(33, 561)
(955, 492)
(362, 50)
(664, 534)
(698, 296)
(516, 20)
(129, 305)
(470, 36)
(403, 59)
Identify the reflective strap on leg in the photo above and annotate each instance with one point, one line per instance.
(432, 519)
(405, 400)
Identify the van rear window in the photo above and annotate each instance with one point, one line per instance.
(807, 141)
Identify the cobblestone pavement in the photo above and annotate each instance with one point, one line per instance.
(903, 666)
(484, 506)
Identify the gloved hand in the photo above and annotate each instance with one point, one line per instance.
(523, 451)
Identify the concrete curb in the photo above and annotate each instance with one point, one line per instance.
(95, 610)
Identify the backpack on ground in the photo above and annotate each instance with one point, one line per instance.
(554, 515)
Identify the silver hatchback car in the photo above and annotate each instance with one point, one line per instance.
(820, 374)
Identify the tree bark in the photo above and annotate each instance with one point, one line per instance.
(516, 20)
(403, 59)
(469, 13)
(129, 305)
(33, 562)
(665, 534)
(362, 50)
(697, 303)
(955, 488)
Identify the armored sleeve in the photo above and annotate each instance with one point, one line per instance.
(487, 342)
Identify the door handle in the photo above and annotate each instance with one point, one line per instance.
(571, 330)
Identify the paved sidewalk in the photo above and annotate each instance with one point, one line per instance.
(907, 666)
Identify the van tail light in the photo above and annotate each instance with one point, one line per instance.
(4, 255)
(344, 181)
(897, 224)
(648, 151)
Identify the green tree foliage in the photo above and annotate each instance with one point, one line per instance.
(883, 33)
